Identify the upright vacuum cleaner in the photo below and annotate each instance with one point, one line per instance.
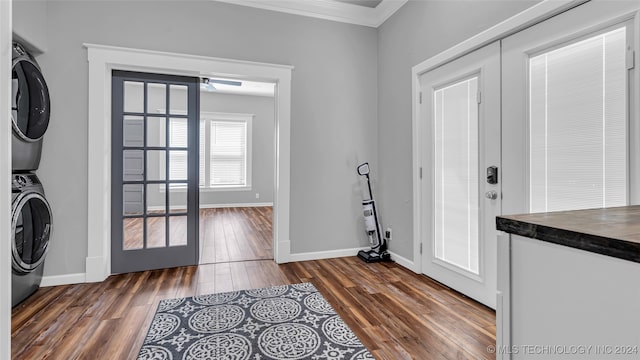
(378, 245)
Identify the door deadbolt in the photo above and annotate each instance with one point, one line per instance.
(492, 175)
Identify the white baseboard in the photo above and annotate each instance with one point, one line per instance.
(213, 206)
(219, 206)
(404, 262)
(68, 279)
(325, 254)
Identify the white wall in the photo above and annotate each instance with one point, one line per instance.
(416, 32)
(334, 112)
(5, 187)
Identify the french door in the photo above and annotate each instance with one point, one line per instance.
(154, 171)
(567, 95)
(461, 186)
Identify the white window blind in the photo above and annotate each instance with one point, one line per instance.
(178, 159)
(456, 210)
(228, 161)
(578, 138)
(203, 157)
(228, 153)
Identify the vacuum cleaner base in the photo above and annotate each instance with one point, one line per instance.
(373, 256)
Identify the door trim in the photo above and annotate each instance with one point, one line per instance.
(5, 180)
(527, 18)
(102, 61)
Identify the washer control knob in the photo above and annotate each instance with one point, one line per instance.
(21, 180)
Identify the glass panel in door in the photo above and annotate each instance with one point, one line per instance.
(456, 174)
(577, 124)
(155, 171)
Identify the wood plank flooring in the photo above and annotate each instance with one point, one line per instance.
(397, 314)
(236, 234)
(226, 234)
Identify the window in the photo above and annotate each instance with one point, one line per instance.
(578, 127)
(227, 163)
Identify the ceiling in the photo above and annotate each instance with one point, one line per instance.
(360, 12)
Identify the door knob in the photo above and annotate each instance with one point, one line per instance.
(491, 195)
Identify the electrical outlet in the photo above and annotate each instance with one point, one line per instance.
(387, 234)
(257, 195)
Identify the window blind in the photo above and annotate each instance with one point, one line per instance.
(228, 153)
(227, 156)
(577, 114)
(178, 159)
(456, 194)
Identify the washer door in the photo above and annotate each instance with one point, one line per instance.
(30, 229)
(30, 105)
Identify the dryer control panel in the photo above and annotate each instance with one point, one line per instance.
(20, 181)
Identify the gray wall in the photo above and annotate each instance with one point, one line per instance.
(334, 112)
(262, 149)
(263, 146)
(30, 24)
(416, 32)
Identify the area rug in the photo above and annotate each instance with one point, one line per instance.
(280, 322)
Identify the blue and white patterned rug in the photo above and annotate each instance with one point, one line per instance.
(280, 322)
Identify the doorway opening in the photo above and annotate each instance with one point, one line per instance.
(236, 170)
(102, 61)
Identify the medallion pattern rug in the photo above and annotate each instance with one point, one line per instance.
(280, 322)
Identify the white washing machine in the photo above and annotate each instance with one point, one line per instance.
(30, 110)
(31, 225)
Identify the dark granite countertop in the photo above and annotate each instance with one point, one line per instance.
(608, 231)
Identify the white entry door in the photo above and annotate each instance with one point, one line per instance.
(567, 99)
(461, 184)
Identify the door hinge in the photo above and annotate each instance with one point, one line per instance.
(479, 97)
(420, 172)
(420, 248)
(631, 59)
(420, 97)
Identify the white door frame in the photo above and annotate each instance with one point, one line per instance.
(529, 17)
(102, 61)
(5, 179)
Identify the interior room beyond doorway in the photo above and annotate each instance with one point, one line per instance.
(237, 165)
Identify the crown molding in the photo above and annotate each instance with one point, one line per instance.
(328, 9)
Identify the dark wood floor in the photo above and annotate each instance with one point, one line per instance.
(226, 234)
(236, 234)
(397, 314)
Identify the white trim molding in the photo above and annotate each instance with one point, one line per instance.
(404, 262)
(329, 254)
(102, 61)
(529, 17)
(213, 206)
(329, 9)
(5, 180)
(56, 280)
(220, 206)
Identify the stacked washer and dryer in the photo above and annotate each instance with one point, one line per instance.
(30, 211)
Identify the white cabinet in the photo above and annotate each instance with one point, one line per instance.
(559, 302)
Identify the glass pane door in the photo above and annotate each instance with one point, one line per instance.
(456, 174)
(154, 218)
(577, 124)
(460, 143)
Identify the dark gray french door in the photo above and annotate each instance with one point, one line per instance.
(154, 171)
